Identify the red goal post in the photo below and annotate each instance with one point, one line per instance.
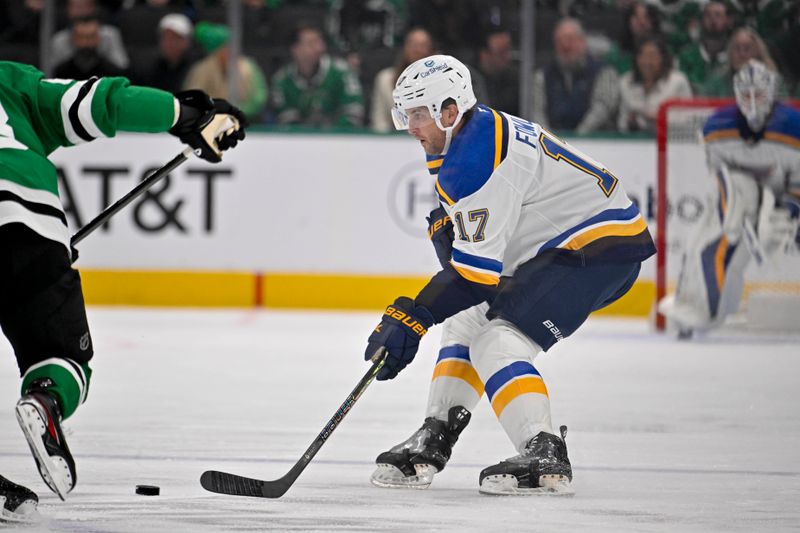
(692, 113)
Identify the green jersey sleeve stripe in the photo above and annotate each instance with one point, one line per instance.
(67, 102)
(84, 111)
(39, 196)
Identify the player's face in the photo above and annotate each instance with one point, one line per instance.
(423, 127)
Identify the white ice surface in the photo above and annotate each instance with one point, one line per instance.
(664, 435)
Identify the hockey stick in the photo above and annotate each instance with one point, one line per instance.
(234, 485)
(219, 125)
(144, 185)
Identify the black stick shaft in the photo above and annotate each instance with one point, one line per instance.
(282, 485)
(143, 186)
(235, 485)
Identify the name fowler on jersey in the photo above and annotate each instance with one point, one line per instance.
(523, 131)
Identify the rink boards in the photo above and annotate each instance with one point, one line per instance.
(302, 220)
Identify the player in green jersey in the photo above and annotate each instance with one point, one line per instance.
(42, 311)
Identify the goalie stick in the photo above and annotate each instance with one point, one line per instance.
(234, 485)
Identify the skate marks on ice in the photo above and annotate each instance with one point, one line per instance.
(665, 436)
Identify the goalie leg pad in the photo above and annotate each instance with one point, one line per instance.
(738, 199)
(711, 278)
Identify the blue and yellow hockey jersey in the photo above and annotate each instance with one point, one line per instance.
(515, 191)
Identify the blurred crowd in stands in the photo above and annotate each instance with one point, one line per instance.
(601, 65)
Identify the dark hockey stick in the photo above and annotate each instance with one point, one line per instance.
(143, 186)
(225, 483)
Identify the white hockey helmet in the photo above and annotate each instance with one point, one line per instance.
(754, 87)
(428, 82)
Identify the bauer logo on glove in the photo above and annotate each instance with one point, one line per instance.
(406, 320)
(403, 325)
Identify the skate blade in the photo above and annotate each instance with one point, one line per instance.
(390, 477)
(54, 470)
(25, 513)
(507, 485)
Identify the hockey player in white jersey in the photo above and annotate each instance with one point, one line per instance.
(753, 154)
(533, 236)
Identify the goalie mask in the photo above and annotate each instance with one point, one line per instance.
(423, 87)
(754, 87)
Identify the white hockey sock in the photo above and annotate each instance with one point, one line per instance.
(503, 357)
(455, 382)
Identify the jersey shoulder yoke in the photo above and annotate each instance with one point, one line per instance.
(475, 152)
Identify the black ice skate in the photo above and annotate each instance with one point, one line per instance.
(412, 463)
(40, 419)
(542, 468)
(17, 503)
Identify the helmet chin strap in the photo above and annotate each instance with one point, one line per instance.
(448, 132)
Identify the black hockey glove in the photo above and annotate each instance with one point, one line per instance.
(208, 125)
(440, 232)
(401, 328)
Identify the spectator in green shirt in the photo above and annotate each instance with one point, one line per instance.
(682, 21)
(706, 58)
(315, 89)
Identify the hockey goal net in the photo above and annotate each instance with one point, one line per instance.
(771, 299)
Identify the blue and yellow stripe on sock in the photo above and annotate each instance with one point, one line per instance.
(454, 362)
(513, 381)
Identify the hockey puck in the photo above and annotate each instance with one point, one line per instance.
(148, 490)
